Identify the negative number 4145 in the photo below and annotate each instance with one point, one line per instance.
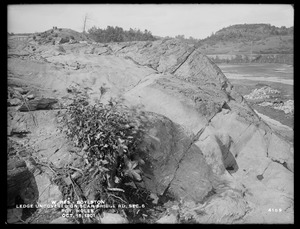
(275, 210)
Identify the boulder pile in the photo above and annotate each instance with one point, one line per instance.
(262, 93)
(287, 106)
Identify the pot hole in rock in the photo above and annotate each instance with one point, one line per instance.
(260, 177)
(22, 188)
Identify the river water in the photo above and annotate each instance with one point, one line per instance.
(247, 77)
(277, 73)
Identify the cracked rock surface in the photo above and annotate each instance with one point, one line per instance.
(205, 145)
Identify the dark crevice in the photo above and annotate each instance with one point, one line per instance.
(225, 106)
(229, 161)
(284, 164)
(208, 196)
(21, 134)
(230, 97)
(121, 48)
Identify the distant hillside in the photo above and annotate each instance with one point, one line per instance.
(249, 32)
(250, 41)
(247, 38)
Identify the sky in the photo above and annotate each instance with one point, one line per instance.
(196, 20)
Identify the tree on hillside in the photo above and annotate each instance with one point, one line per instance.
(86, 18)
(181, 37)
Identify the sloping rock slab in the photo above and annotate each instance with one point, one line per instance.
(170, 158)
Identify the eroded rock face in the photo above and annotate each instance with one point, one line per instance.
(173, 163)
(204, 143)
(234, 138)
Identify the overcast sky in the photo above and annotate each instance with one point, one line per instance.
(196, 20)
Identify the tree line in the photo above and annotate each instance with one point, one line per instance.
(118, 34)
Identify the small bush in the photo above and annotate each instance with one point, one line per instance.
(55, 35)
(64, 40)
(109, 133)
(72, 37)
(109, 136)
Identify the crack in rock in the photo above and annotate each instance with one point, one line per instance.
(121, 49)
(284, 164)
(137, 63)
(173, 72)
(194, 139)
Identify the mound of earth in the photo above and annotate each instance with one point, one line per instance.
(57, 36)
(207, 154)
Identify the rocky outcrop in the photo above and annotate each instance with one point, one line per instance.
(203, 144)
(170, 156)
(233, 139)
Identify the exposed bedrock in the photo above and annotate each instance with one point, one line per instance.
(204, 142)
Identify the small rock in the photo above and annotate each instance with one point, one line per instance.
(75, 175)
(60, 220)
(113, 218)
(68, 180)
(20, 90)
(14, 102)
(154, 197)
(168, 219)
(31, 96)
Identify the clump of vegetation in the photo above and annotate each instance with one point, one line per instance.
(64, 40)
(117, 34)
(108, 133)
(43, 35)
(109, 136)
